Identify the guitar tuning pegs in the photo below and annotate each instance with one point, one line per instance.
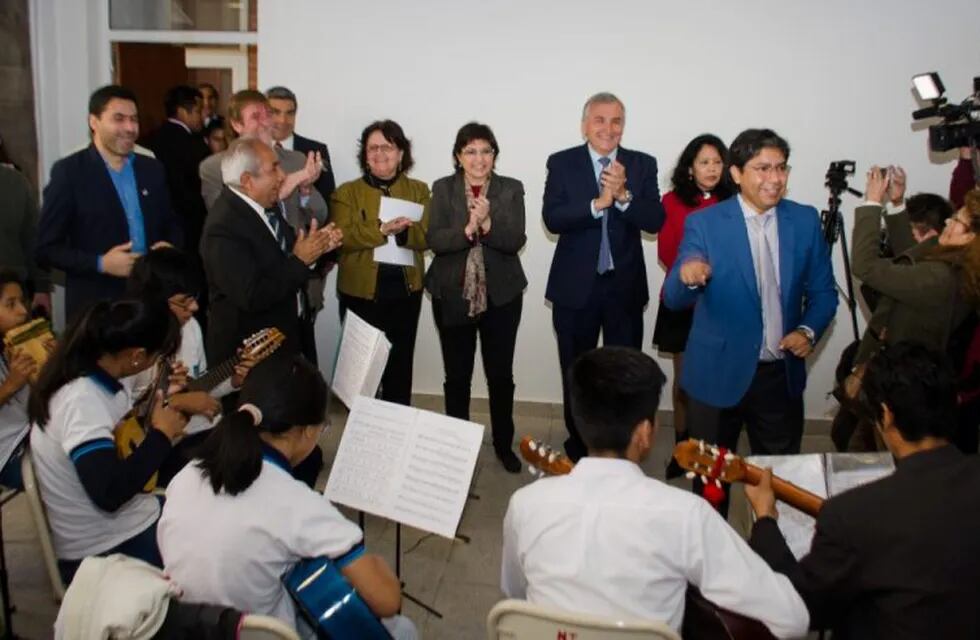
(718, 483)
(690, 475)
(551, 456)
(532, 445)
(701, 446)
(704, 479)
(729, 456)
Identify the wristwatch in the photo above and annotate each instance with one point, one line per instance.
(628, 198)
(808, 333)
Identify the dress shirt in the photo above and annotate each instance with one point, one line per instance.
(124, 181)
(287, 143)
(597, 169)
(609, 541)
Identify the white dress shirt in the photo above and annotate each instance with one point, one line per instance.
(609, 541)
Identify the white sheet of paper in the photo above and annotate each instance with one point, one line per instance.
(405, 464)
(806, 471)
(846, 471)
(391, 253)
(392, 208)
(361, 360)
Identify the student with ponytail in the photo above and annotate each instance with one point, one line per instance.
(236, 520)
(94, 499)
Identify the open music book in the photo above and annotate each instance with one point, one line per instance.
(405, 464)
(361, 360)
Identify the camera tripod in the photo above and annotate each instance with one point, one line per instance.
(832, 222)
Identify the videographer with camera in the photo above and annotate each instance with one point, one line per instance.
(926, 291)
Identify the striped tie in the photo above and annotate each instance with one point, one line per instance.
(605, 253)
(275, 221)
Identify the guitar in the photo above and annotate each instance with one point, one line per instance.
(702, 619)
(131, 430)
(716, 465)
(330, 604)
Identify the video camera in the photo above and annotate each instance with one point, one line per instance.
(961, 122)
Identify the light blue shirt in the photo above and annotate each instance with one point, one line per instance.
(125, 183)
(597, 169)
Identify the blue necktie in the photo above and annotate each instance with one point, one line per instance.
(274, 222)
(605, 254)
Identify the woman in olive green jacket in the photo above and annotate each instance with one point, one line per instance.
(926, 291)
(387, 296)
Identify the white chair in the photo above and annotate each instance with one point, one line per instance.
(255, 627)
(41, 524)
(521, 620)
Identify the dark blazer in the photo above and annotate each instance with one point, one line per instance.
(723, 347)
(181, 151)
(252, 283)
(82, 218)
(326, 183)
(896, 558)
(448, 216)
(568, 192)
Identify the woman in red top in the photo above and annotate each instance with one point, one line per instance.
(700, 179)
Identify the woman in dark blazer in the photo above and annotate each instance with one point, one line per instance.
(476, 229)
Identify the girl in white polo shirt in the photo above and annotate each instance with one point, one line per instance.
(235, 520)
(94, 499)
(16, 368)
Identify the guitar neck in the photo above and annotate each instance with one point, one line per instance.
(794, 496)
(213, 376)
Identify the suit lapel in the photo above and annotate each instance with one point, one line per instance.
(738, 231)
(786, 252)
(588, 171)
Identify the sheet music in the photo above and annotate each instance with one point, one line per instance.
(806, 471)
(390, 252)
(361, 360)
(405, 464)
(849, 470)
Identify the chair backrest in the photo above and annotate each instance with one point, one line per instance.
(521, 620)
(41, 524)
(256, 627)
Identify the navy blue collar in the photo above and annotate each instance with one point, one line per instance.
(273, 456)
(99, 376)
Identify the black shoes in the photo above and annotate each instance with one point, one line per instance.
(511, 462)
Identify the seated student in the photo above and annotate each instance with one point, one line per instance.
(94, 499)
(260, 520)
(168, 274)
(609, 541)
(898, 557)
(16, 368)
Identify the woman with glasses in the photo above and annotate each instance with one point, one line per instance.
(476, 229)
(700, 180)
(926, 291)
(388, 296)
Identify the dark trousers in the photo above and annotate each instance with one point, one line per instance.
(578, 330)
(498, 335)
(773, 418)
(399, 319)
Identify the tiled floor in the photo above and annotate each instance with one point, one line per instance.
(458, 579)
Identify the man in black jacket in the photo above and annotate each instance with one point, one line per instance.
(899, 557)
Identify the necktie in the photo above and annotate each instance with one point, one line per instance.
(772, 313)
(605, 253)
(275, 221)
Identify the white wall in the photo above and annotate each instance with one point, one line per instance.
(832, 77)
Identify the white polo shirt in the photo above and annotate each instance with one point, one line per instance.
(84, 411)
(234, 550)
(13, 418)
(610, 541)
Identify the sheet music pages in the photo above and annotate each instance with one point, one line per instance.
(405, 464)
(849, 470)
(361, 360)
(806, 471)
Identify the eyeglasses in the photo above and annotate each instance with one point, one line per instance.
(472, 153)
(381, 148)
(770, 169)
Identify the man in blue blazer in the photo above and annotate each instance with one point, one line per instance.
(598, 198)
(757, 270)
(104, 206)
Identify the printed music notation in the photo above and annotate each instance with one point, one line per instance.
(405, 464)
(361, 359)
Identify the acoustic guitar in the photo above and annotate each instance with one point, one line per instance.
(131, 430)
(702, 618)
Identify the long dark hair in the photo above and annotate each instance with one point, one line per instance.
(289, 393)
(682, 179)
(105, 327)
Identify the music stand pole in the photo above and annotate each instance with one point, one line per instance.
(398, 573)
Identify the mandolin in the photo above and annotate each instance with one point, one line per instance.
(702, 619)
(131, 430)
